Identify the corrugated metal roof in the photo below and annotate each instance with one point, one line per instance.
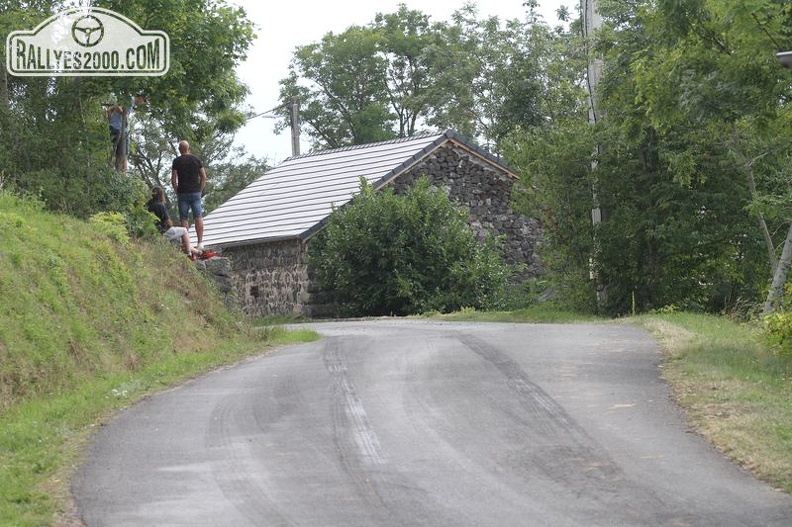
(291, 200)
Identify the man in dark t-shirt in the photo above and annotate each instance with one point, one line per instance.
(188, 177)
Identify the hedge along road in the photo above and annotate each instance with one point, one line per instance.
(423, 423)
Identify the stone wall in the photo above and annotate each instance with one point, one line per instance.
(275, 279)
(485, 191)
(219, 269)
(270, 279)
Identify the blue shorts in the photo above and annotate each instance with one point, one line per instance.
(189, 201)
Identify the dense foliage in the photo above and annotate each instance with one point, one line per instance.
(388, 254)
(402, 74)
(54, 140)
(689, 161)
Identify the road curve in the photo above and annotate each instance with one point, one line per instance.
(423, 423)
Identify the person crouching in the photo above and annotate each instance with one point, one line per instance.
(176, 235)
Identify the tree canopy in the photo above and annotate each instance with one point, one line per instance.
(53, 131)
(403, 74)
(689, 161)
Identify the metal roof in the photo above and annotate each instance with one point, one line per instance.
(293, 199)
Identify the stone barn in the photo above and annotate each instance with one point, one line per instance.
(266, 228)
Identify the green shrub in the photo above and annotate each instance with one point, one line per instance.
(112, 224)
(778, 325)
(140, 222)
(384, 254)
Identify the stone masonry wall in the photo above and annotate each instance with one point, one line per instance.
(274, 278)
(485, 192)
(270, 279)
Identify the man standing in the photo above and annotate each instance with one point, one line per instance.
(119, 121)
(119, 135)
(188, 178)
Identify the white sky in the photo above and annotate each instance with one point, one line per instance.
(282, 26)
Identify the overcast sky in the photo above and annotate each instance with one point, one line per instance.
(282, 26)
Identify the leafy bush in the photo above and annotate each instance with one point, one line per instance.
(137, 223)
(778, 325)
(140, 222)
(384, 254)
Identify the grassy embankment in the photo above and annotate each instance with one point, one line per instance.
(89, 323)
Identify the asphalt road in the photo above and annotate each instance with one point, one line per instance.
(419, 423)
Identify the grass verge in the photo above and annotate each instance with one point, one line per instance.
(90, 322)
(41, 439)
(537, 313)
(736, 392)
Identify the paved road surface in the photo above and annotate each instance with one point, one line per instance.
(419, 423)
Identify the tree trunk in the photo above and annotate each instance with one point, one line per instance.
(776, 293)
(749, 174)
(4, 102)
(768, 240)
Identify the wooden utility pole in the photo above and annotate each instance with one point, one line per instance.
(294, 115)
(592, 21)
(776, 293)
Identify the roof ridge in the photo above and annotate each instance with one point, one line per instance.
(293, 200)
(422, 135)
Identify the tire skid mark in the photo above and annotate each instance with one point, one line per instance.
(349, 410)
(562, 450)
(232, 472)
(354, 439)
(429, 421)
(379, 483)
(546, 415)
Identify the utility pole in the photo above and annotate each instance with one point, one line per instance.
(776, 293)
(294, 121)
(294, 117)
(592, 22)
(122, 159)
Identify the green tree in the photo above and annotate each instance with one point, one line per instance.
(401, 74)
(489, 76)
(384, 254)
(553, 156)
(53, 132)
(683, 148)
(688, 161)
(200, 94)
(703, 81)
(404, 38)
(555, 163)
(347, 101)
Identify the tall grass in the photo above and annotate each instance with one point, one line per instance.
(77, 303)
(91, 322)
